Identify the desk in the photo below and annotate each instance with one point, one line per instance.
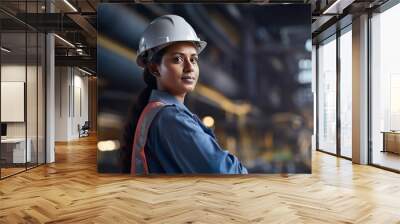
(391, 141)
(16, 147)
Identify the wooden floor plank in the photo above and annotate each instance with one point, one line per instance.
(71, 191)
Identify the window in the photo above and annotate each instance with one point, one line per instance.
(385, 88)
(346, 94)
(327, 96)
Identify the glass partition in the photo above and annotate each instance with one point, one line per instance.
(14, 151)
(41, 86)
(31, 99)
(22, 88)
(32, 84)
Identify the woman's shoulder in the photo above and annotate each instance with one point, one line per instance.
(171, 114)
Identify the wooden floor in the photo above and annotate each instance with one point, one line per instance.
(10, 171)
(71, 191)
(387, 159)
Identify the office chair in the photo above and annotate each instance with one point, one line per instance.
(84, 130)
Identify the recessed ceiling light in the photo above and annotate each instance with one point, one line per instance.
(84, 71)
(71, 6)
(64, 40)
(5, 50)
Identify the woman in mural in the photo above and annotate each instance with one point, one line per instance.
(163, 135)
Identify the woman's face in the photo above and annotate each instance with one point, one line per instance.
(178, 71)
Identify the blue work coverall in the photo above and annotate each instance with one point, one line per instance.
(178, 142)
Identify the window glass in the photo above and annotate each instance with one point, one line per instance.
(327, 97)
(385, 88)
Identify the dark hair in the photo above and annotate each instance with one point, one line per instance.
(136, 110)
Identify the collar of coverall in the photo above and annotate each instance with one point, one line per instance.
(165, 97)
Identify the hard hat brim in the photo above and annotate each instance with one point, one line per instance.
(201, 45)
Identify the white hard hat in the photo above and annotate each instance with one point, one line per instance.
(163, 31)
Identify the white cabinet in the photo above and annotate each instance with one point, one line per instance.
(18, 148)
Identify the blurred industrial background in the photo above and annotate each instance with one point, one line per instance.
(255, 78)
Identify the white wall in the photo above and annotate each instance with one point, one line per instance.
(61, 103)
(33, 126)
(13, 73)
(71, 94)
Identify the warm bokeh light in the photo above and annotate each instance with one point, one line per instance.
(108, 145)
(208, 121)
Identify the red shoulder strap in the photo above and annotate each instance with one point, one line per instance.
(139, 163)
